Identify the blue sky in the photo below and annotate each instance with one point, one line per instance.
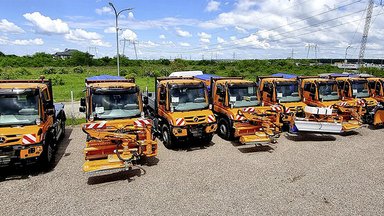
(193, 29)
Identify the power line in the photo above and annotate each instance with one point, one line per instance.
(288, 24)
(230, 46)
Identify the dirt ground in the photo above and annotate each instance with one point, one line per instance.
(308, 174)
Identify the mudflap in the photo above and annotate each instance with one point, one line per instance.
(318, 127)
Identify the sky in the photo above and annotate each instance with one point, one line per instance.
(193, 29)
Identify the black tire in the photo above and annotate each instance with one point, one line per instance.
(47, 156)
(224, 129)
(168, 140)
(62, 135)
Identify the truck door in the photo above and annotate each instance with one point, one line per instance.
(267, 92)
(162, 98)
(220, 95)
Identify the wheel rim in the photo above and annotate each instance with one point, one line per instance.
(165, 136)
(223, 129)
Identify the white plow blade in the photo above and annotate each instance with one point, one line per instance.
(324, 127)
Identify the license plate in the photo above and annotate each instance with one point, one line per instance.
(196, 132)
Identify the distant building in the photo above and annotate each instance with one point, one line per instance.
(66, 54)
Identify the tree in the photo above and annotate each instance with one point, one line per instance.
(2, 54)
(80, 58)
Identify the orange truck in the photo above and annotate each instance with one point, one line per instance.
(180, 111)
(355, 91)
(31, 125)
(376, 88)
(118, 136)
(239, 111)
(323, 93)
(284, 90)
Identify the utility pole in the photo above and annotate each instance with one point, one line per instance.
(117, 33)
(292, 54)
(134, 47)
(345, 58)
(365, 34)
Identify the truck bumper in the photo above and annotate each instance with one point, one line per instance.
(194, 130)
(15, 153)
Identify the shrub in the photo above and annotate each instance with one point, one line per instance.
(57, 80)
(49, 71)
(63, 71)
(23, 72)
(78, 70)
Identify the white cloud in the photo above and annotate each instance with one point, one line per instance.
(162, 36)
(182, 33)
(80, 35)
(3, 40)
(204, 37)
(37, 41)
(184, 44)
(104, 10)
(233, 37)
(212, 6)
(9, 27)
(129, 35)
(220, 40)
(253, 42)
(110, 30)
(101, 43)
(46, 25)
(241, 30)
(205, 40)
(131, 16)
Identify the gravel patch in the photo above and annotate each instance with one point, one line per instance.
(308, 174)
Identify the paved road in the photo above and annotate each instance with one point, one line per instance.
(317, 175)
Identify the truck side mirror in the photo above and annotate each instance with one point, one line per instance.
(82, 102)
(145, 100)
(82, 109)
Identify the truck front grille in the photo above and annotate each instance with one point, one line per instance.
(194, 119)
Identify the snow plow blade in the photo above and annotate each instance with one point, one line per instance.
(351, 125)
(379, 117)
(321, 127)
(258, 138)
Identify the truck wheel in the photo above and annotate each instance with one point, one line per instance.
(168, 140)
(48, 152)
(224, 129)
(62, 125)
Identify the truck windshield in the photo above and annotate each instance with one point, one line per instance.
(19, 106)
(287, 92)
(243, 96)
(115, 104)
(184, 98)
(360, 89)
(328, 91)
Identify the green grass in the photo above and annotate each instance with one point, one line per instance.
(75, 82)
